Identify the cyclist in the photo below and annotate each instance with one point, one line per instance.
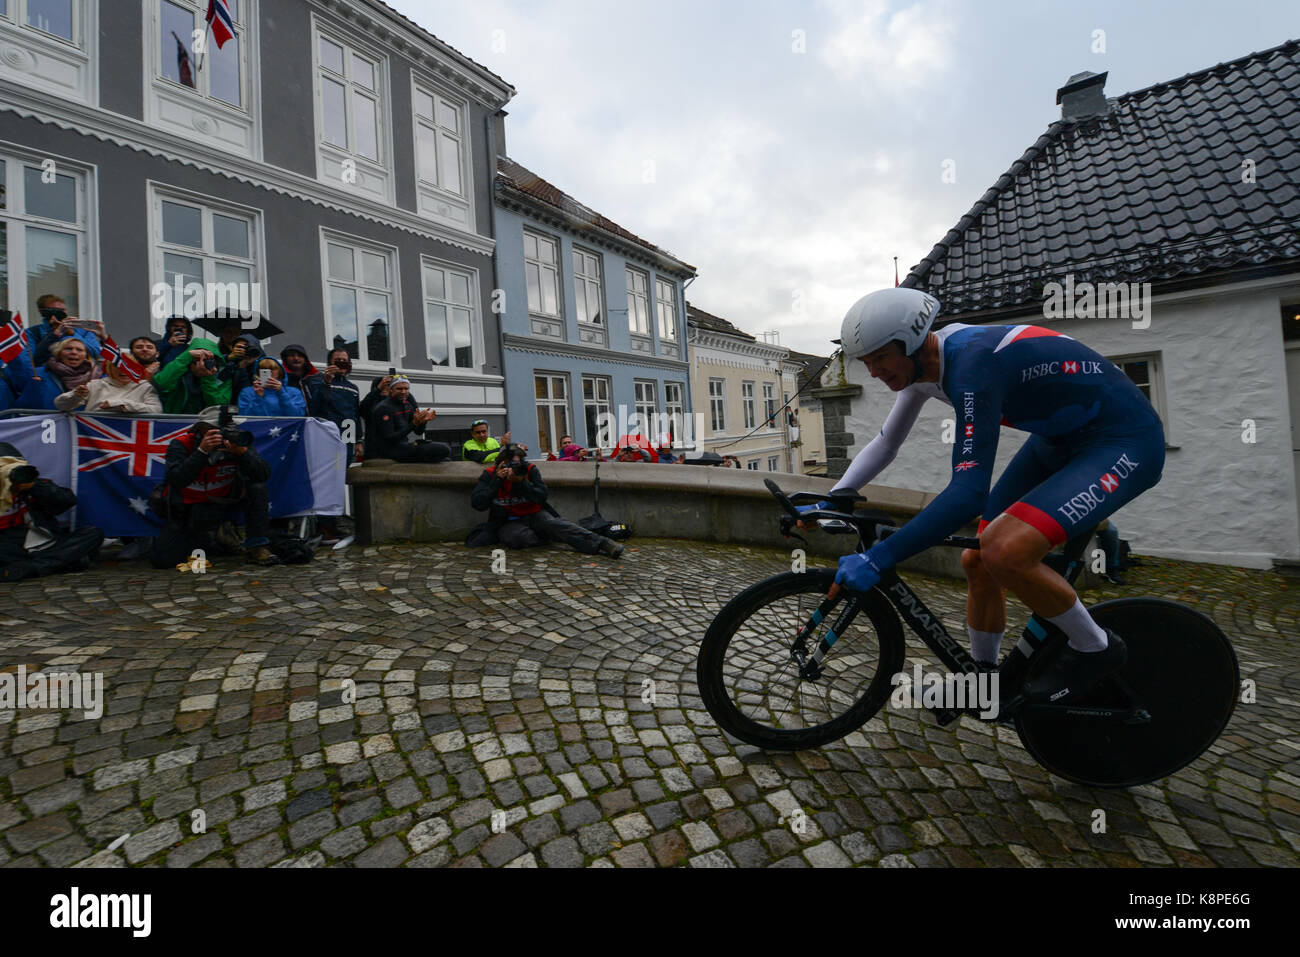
(1095, 443)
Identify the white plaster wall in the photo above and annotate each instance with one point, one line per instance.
(1220, 499)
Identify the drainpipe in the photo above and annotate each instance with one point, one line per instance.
(489, 131)
(686, 354)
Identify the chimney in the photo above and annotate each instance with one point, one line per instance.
(499, 131)
(1083, 96)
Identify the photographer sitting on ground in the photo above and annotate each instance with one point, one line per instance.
(514, 496)
(397, 420)
(213, 472)
(31, 541)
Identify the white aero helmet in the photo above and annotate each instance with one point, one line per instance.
(880, 317)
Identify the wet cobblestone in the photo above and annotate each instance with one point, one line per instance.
(404, 706)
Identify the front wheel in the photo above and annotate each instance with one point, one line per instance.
(750, 678)
(1181, 670)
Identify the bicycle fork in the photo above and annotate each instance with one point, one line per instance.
(810, 665)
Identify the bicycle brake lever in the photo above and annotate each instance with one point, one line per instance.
(787, 524)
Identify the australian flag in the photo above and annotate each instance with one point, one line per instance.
(120, 461)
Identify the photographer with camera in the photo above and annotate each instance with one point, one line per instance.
(188, 384)
(55, 319)
(31, 541)
(397, 420)
(213, 471)
(514, 496)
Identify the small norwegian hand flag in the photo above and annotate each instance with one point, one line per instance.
(13, 339)
(123, 360)
(218, 17)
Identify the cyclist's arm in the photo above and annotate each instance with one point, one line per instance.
(968, 490)
(882, 450)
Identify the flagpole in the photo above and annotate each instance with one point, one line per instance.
(203, 55)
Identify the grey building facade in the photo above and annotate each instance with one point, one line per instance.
(334, 157)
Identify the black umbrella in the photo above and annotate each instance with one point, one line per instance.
(706, 458)
(253, 323)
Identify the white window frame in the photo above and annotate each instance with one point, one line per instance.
(583, 283)
(675, 409)
(600, 405)
(158, 193)
(47, 62)
(194, 112)
(748, 405)
(774, 463)
(1155, 367)
(752, 465)
(666, 310)
(770, 408)
(396, 326)
(15, 224)
(633, 293)
(368, 177)
(432, 199)
(475, 314)
(558, 265)
(552, 404)
(645, 400)
(718, 405)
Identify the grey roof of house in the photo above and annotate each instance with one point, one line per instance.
(1153, 191)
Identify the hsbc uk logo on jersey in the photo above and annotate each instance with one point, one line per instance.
(1063, 367)
(1082, 505)
(968, 419)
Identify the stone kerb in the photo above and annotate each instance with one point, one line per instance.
(430, 503)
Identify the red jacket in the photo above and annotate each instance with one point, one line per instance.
(509, 499)
(214, 482)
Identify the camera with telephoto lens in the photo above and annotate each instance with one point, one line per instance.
(514, 458)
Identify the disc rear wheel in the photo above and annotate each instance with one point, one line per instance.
(1181, 671)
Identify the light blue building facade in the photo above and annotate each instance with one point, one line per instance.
(593, 322)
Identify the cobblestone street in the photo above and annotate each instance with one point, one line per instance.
(521, 693)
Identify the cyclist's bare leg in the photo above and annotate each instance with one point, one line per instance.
(1012, 552)
(986, 608)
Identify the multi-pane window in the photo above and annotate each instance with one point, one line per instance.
(718, 405)
(54, 18)
(42, 236)
(595, 403)
(747, 403)
(552, 410)
(666, 308)
(769, 404)
(752, 465)
(674, 408)
(359, 299)
(449, 315)
(773, 463)
(200, 242)
(647, 407)
(1144, 372)
(638, 302)
(440, 140)
(586, 287)
(189, 57)
(350, 99)
(542, 272)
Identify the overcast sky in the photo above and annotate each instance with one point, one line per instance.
(791, 179)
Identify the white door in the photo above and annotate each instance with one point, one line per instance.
(1293, 390)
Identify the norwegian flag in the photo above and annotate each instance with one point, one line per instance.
(183, 71)
(123, 360)
(220, 22)
(13, 339)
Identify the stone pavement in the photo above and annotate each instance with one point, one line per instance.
(405, 706)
